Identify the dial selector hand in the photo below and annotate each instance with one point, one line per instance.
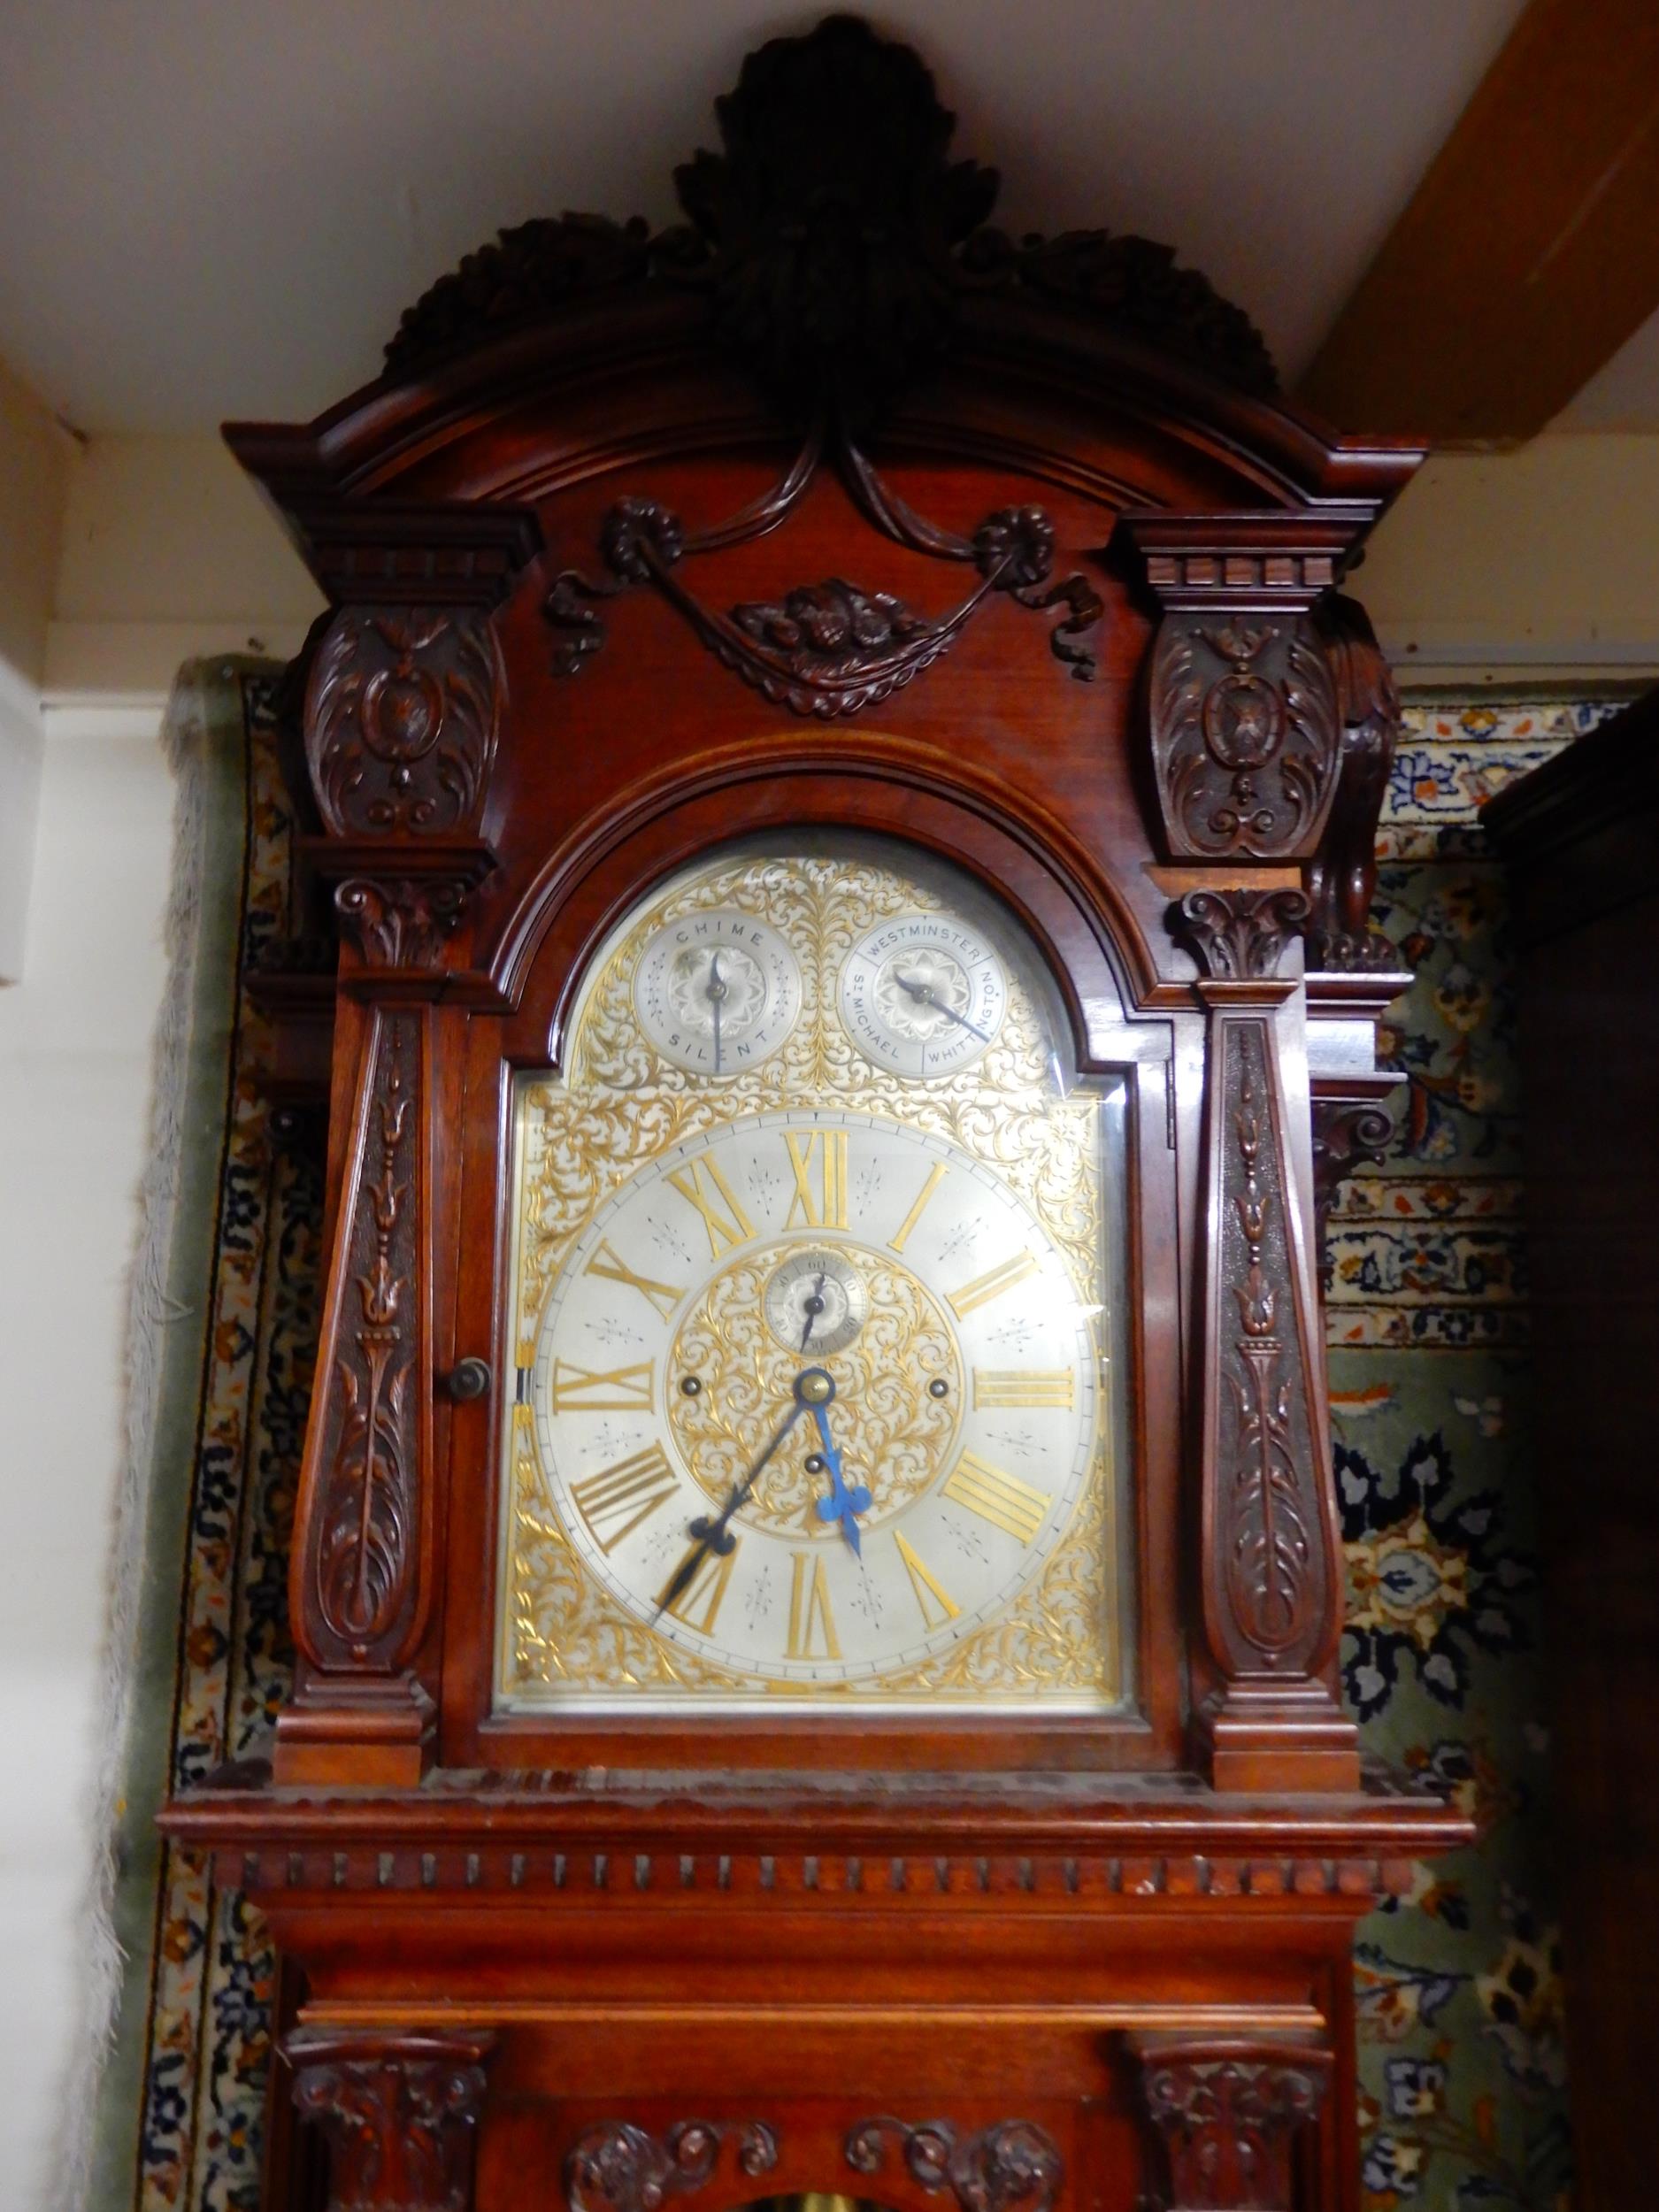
(716, 995)
(925, 995)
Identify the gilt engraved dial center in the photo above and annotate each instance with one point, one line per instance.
(888, 1339)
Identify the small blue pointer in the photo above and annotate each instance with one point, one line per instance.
(842, 1504)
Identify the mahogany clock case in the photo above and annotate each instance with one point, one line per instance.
(834, 512)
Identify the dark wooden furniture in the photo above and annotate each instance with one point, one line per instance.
(1582, 839)
(1092, 649)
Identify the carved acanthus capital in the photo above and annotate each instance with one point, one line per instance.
(401, 711)
(1236, 935)
(400, 921)
(399, 2110)
(1226, 2116)
(618, 2167)
(1013, 2162)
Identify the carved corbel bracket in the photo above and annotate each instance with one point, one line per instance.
(1226, 2115)
(1270, 1565)
(1246, 719)
(399, 2108)
(616, 2167)
(1012, 2162)
(398, 902)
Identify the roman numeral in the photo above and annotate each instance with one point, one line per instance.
(711, 1194)
(818, 1157)
(996, 1387)
(698, 1604)
(811, 1625)
(937, 1608)
(898, 1243)
(663, 1296)
(1003, 1499)
(629, 1493)
(991, 1284)
(602, 1390)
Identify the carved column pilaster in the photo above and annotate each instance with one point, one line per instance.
(1269, 1563)
(1226, 2115)
(403, 702)
(399, 2109)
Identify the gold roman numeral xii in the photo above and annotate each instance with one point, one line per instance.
(818, 1157)
(1004, 1500)
(628, 1492)
(602, 1389)
(711, 1194)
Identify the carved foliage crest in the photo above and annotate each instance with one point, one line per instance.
(1246, 736)
(401, 717)
(835, 242)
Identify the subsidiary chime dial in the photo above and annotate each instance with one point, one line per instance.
(923, 995)
(717, 992)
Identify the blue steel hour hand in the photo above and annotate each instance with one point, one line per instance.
(844, 1504)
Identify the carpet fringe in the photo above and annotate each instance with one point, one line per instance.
(149, 1314)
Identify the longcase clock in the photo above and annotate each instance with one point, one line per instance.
(844, 778)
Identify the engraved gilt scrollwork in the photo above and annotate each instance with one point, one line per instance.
(399, 2112)
(1244, 735)
(368, 1503)
(618, 2167)
(401, 717)
(1013, 2162)
(1226, 2115)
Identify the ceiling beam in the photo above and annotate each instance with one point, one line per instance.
(1529, 252)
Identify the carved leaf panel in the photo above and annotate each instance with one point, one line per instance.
(362, 1509)
(399, 2114)
(1227, 2117)
(1271, 1580)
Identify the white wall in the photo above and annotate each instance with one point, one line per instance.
(74, 1086)
(34, 454)
(1549, 560)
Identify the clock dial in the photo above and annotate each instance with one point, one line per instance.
(814, 1346)
(971, 1453)
(923, 995)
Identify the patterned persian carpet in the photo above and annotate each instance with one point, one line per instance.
(1460, 1995)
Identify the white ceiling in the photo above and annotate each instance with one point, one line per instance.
(219, 208)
